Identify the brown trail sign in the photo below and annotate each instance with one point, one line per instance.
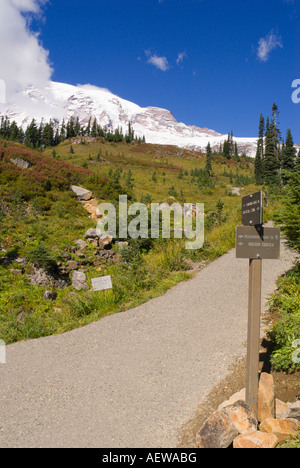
(256, 242)
(252, 209)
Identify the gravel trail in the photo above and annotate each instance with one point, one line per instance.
(132, 379)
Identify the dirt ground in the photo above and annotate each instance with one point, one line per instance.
(287, 389)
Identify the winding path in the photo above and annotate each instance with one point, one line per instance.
(132, 379)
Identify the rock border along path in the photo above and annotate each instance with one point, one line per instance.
(132, 379)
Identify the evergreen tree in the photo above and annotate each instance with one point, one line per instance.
(259, 159)
(32, 135)
(231, 143)
(129, 137)
(63, 133)
(77, 128)
(276, 134)
(289, 215)
(226, 149)
(208, 165)
(220, 208)
(48, 134)
(271, 163)
(94, 129)
(297, 163)
(88, 128)
(288, 153)
(236, 151)
(129, 181)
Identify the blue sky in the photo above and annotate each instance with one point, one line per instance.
(212, 63)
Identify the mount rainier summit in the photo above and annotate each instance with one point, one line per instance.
(58, 101)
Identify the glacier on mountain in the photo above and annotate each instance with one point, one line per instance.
(59, 101)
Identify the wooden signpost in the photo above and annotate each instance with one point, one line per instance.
(256, 242)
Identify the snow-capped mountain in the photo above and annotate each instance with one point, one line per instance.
(57, 101)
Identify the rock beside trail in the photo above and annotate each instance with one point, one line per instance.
(255, 439)
(283, 429)
(239, 396)
(234, 415)
(266, 397)
(79, 281)
(217, 432)
(294, 410)
(242, 417)
(82, 193)
(40, 277)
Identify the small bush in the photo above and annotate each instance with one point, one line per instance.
(42, 258)
(286, 303)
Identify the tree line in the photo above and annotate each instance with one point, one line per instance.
(275, 157)
(52, 133)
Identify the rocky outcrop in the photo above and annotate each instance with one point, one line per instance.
(283, 429)
(21, 163)
(79, 281)
(235, 424)
(266, 397)
(40, 277)
(82, 193)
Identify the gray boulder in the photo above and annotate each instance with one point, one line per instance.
(81, 244)
(82, 193)
(40, 277)
(92, 234)
(21, 163)
(50, 295)
(294, 410)
(79, 281)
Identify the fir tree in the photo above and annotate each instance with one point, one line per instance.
(48, 134)
(276, 134)
(32, 135)
(297, 163)
(77, 128)
(227, 148)
(271, 163)
(129, 181)
(259, 159)
(208, 165)
(288, 153)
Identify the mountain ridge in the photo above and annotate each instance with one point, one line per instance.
(58, 101)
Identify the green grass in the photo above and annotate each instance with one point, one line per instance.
(291, 444)
(285, 305)
(41, 219)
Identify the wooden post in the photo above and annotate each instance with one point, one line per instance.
(255, 279)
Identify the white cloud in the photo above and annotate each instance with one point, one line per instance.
(181, 57)
(159, 62)
(28, 5)
(23, 59)
(267, 44)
